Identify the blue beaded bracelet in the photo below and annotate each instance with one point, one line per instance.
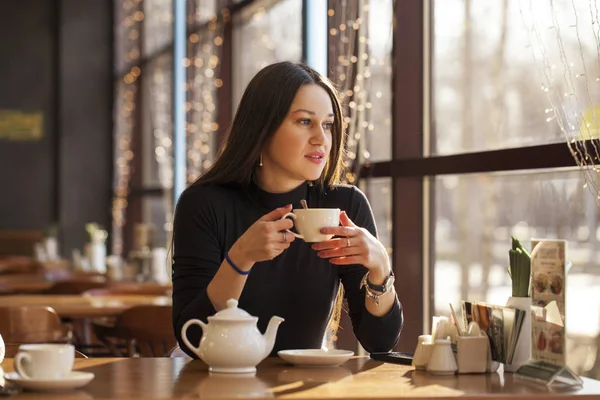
(235, 267)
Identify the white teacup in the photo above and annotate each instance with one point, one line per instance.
(44, 361)
(308, 223)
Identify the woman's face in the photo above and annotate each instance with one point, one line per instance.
(299, 149)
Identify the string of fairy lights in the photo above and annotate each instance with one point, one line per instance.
(367, 103)
(129, 45)
(203, 64)
(348, 32)
(570, 85)
(346, 25)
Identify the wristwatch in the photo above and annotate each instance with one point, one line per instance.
(387, 286)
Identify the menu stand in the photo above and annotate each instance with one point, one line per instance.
(548, 374)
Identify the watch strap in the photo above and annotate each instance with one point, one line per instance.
(379, 288)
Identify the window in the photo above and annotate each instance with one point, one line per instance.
(252, 34)
(511, 74)
(157, 122)
(498, 63)
(262, 35)
(158, 25)
(379, 193)
(379, 128)
(489, 126)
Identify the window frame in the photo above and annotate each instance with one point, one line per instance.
(413, 170)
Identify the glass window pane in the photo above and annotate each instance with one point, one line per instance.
(203, 80)
(154, 212)
(264, 36)
(127, 31)
(158, 25)
(379, 127)
(379, 193)
(201, 11)
(512, 73)
(157, 124)
(474, 218)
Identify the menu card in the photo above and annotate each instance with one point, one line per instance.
(548, 277)
(501, 324)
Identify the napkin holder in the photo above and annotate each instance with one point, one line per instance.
(472, 350)
(471, 354)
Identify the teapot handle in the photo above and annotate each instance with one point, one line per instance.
(195, 349)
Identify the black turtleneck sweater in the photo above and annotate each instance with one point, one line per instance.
(297, 285)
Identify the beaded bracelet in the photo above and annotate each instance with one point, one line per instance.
(235, 267)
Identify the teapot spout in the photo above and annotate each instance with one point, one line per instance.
(271, 333)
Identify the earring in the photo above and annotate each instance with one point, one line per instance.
(260, 164)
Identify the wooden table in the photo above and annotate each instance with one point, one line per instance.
(37, 282)
(76, 306)
(32, 286)
(359, 378)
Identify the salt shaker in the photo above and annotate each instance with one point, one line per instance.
(422, 352)
(442, 360)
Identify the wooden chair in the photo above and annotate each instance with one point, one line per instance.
(32, 324)
(80, 328)
(13, 348)
(19, 242)
(141, 331)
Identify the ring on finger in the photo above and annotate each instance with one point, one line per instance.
(347, 242)
(284, 237)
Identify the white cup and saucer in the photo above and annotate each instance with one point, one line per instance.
(308, 222)
(45, 367)
(316, 357)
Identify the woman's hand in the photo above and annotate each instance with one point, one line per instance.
(355, 246)
(264, 240)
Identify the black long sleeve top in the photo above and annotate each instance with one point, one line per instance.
(297, 285)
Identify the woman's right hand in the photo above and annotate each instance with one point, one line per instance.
(265, 239)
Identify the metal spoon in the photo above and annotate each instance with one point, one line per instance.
(304, 205)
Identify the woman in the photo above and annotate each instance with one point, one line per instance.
(285, 144)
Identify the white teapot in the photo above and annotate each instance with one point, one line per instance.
(231, 342)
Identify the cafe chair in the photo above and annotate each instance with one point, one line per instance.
(13, 348)
(32, 324)
(141, 331)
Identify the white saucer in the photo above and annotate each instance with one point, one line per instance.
(316, 357)
(74, 380)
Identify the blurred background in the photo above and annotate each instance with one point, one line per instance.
(468, 122)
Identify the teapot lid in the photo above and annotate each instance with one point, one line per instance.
(232, 313)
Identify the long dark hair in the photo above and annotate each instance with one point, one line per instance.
(264, 106)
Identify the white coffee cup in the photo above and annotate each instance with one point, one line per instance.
(308, 223)
(44, 361)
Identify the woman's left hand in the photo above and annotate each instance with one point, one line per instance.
(355, 246)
